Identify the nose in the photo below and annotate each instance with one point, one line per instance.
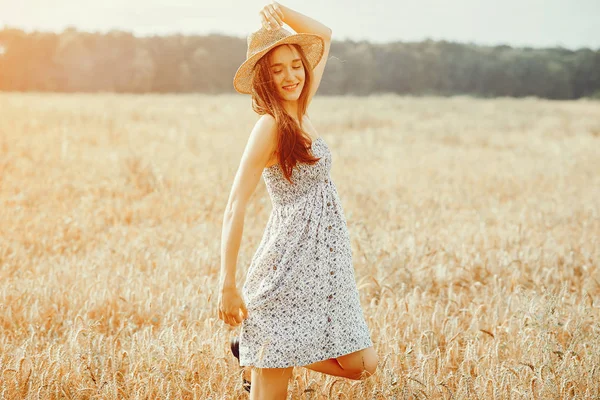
(288, 74)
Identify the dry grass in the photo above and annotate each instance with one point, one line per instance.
(475, 233)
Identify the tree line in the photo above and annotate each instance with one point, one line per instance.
(76, 61)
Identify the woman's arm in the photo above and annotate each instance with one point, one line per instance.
(275, 14)
(260, 146)
(304, 24)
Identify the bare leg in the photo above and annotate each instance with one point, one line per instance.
(362, 363)
(270, 383)
(330, 367)
(358, 365)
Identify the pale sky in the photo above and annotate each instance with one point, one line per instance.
(536, 23)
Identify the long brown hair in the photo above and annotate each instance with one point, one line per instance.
(292, 144)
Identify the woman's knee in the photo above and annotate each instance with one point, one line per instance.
(363, 362)
(370, 364)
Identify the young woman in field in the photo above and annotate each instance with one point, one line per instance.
(300, 304)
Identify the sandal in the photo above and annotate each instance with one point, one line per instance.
(235, 349)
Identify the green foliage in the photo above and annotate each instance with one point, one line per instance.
(75, 61)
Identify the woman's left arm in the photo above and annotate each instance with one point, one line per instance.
(274, 14)
(301, 23)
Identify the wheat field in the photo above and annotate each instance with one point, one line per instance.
(475, 229)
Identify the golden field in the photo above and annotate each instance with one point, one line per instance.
(475, 229)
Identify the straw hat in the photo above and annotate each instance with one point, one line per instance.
(262, 40)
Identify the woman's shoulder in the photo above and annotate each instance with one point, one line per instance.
(266, 129)
(266, 122)
(266, 118)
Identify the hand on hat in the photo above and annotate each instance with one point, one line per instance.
(271, 16)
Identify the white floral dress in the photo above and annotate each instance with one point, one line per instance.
(300, 289)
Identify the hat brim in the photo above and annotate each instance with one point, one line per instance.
(312, 45)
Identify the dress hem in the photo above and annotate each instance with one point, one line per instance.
(312, 361)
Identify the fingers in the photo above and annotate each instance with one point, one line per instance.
(268, 19)
(227, 319)
(224, 317)
(231, 319)
(279, 11)
(275, 14)
(234, 321)
(272, 22)
(237, 319)
(264, 21)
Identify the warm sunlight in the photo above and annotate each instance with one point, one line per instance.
(309, 200)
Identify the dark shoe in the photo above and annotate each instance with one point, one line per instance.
(246, 385)
(235, 349)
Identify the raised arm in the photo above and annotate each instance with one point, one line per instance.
(260, 146)
(301, 24)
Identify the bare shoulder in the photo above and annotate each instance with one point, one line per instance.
(267, 121)
(266, 128)
(262, 141)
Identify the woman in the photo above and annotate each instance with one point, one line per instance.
(300, 304)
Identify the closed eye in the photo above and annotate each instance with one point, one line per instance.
(292, 67)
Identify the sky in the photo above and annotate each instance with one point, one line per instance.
(534, 23)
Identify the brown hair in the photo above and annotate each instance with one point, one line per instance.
(292, 145)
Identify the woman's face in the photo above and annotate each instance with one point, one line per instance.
(287, 70)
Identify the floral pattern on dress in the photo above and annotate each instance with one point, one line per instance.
(300, 289)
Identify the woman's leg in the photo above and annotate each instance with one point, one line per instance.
(270, 383)
(329, 367)
(361, 364)
(358, 365)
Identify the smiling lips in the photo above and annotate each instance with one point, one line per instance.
(290, 88)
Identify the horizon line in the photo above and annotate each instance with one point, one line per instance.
(345, 39)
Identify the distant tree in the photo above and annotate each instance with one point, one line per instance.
(120, 62)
